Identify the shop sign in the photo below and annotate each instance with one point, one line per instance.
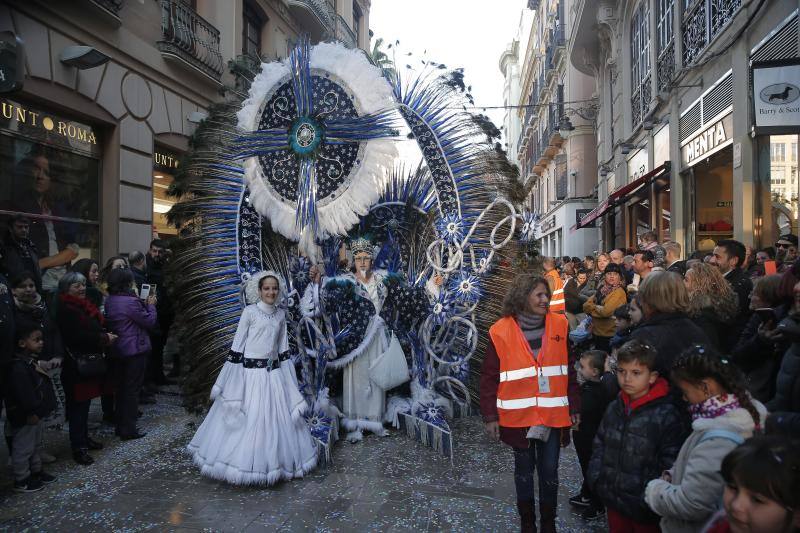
(776, 92)
(638, 165)
(708, 141)
(580, 214)
(165, 160)
(661, 146)
(46, 127)
(549, 224)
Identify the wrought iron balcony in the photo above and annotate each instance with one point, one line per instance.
(703, 20)
(665, 66)
(345, 34)
(549, 63)
(558, 36)
(533, 4)
(316, 15)
(108, 10)
(189, 38)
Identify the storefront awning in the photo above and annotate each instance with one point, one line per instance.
(621, 194)
(593, 215)
(626, 190)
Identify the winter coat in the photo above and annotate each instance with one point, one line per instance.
(602, 313)
(688, 502)
(29, 391)
(82, 331)
(759, 359)
(572, 300)
(715, 326)
(670, 334)
(787, 384)
(679, 267)
(39, 315)
(7, 322)
(635, 443)
(21, 256)
(742, 285)
(130, 319)
(490, 380)
(595, 397)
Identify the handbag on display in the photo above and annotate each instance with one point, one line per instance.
(90, 365)
(390, 369)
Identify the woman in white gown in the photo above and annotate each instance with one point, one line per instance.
(363, 402)
(255, 432)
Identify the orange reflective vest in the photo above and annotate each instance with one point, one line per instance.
(520, 403)
(557, 302)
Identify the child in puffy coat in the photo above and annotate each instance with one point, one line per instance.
(723, 416)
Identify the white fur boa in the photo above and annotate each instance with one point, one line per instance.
(372, 94)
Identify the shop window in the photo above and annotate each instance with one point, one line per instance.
(782, 188)
(59, 193)
(165, 163)
(713, 198)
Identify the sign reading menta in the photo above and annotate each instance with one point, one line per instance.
(47, 127)
(709, 140)
(776, 96)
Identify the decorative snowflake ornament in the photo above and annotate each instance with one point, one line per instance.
(466, 287)
(450, 228)
(531, 227)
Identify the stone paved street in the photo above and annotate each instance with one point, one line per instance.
(389, 484)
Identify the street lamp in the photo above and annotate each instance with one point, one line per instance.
(565, 126)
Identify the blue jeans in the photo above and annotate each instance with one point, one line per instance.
(541, 456)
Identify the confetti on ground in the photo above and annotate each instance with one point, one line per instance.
(380, 484)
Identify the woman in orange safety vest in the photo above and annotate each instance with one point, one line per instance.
(529, 393)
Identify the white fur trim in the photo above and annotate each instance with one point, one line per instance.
(373, 94)
(362, 424)
(375, 327)
(235, 476)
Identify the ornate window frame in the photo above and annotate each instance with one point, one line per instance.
(640, 43)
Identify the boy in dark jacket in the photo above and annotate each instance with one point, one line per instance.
(29, 398)
(638, 439)
(598, 389)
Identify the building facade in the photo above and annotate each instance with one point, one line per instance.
(692, 94)
(556, 148)
(88, 150)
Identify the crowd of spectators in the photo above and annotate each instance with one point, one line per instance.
(688, 369)
(101, 334)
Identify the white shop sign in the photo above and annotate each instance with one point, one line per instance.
(707, 141)
(776, 96)
(638, 165)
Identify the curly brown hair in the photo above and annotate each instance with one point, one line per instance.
(709, 290)
(516, 300)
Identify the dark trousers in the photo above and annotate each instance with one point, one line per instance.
(583, 447)
(541, 457)
(78, 415)
(129, 377)
(155, 360)
(26, 450)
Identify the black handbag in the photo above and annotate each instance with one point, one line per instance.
(90, 365)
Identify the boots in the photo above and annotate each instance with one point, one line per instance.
(527, 516)
(548, 522)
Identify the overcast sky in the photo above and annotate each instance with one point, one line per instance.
(459, 33)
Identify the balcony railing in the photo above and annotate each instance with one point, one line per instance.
(703, 20)
(345, 34)
(533, 4)
(189, 38)
(555, 111)
(112, 6)
(558, 38)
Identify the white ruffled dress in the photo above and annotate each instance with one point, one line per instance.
(255, 433)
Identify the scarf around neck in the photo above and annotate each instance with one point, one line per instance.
(28, 305)
(714, 407)
(532, 326)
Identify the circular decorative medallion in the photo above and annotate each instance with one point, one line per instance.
(305, 136)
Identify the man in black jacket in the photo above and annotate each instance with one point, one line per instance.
(19, 253)
(728, 256)
(673, 258)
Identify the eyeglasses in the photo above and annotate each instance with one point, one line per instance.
(779, 245)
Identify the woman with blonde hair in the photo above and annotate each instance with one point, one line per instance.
(712, 304)
(666, 325)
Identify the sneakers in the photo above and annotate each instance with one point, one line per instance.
(44, 477)
(593, 512)
(580, 500)
(29, 484)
